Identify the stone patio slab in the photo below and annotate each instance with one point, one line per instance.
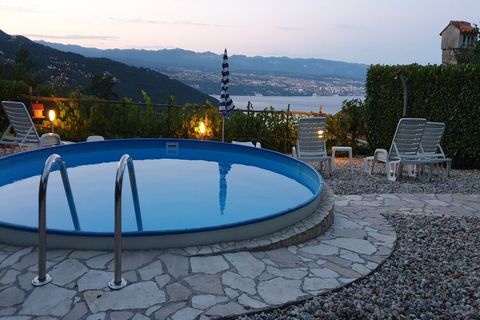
(243, 281)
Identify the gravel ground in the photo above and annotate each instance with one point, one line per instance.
(433, 273)
(344, 182)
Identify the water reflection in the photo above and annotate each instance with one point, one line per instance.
(223, 169)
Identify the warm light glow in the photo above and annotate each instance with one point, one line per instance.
(320, 133)
(37, 109)
(51, 115)
(201, 127)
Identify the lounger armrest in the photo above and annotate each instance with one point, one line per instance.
(441, 150)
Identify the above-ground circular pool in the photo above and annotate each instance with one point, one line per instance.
(190, 193)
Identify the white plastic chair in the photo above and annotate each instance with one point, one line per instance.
(248, 143)
(95, 138)
(49, 139)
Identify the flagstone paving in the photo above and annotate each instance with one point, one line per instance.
(176, 284)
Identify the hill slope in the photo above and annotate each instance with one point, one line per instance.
(75, 71)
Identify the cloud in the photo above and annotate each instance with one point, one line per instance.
(73, 37)
(344, 26)
(286, 28)
(17, 9)
(167, 22)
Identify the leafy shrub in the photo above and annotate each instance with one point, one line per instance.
(347, 126)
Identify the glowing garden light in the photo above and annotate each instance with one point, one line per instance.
(52, 116)
(202, 128)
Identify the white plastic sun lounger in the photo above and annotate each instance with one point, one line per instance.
(21, 133)
(404, 150)
(311, 145)
(430, 147)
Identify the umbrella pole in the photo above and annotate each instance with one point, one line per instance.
(223, 129)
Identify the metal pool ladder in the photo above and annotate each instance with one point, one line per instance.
(126, 161)
(43, 277)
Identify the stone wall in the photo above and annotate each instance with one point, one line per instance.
(450, 40)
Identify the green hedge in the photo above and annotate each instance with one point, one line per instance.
(449, 94)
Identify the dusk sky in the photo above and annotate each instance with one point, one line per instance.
(364, 31)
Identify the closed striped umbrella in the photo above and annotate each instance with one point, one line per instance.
(226, 103)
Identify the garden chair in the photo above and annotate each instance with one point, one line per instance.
(311, 146)
(21, 133)
(95, 138)
(430, 147)
(248, 143)
(404, 150)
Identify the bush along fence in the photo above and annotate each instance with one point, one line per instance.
(77, 118)
(449, 93)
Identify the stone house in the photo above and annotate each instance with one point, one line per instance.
(456, 35)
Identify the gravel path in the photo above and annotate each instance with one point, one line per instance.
(433, 273)
(344, 182)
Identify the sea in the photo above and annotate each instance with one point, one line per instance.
(330, 104)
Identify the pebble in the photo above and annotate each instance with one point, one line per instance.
(427, 277)
(344, 182)
(430, 274)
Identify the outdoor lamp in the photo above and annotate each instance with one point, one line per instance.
(320, 133)
(201, 128)
(37, 109)
(51, 116)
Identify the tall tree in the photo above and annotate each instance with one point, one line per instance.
(353, 118)
(102, 85)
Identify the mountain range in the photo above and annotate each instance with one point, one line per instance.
(179, 58)
(74, 71)
(269, 76)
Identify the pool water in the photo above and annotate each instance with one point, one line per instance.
(188, 191)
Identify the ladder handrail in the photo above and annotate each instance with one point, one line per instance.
(43, 277)
(125, 162)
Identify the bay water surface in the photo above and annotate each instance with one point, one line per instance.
(330, 104)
